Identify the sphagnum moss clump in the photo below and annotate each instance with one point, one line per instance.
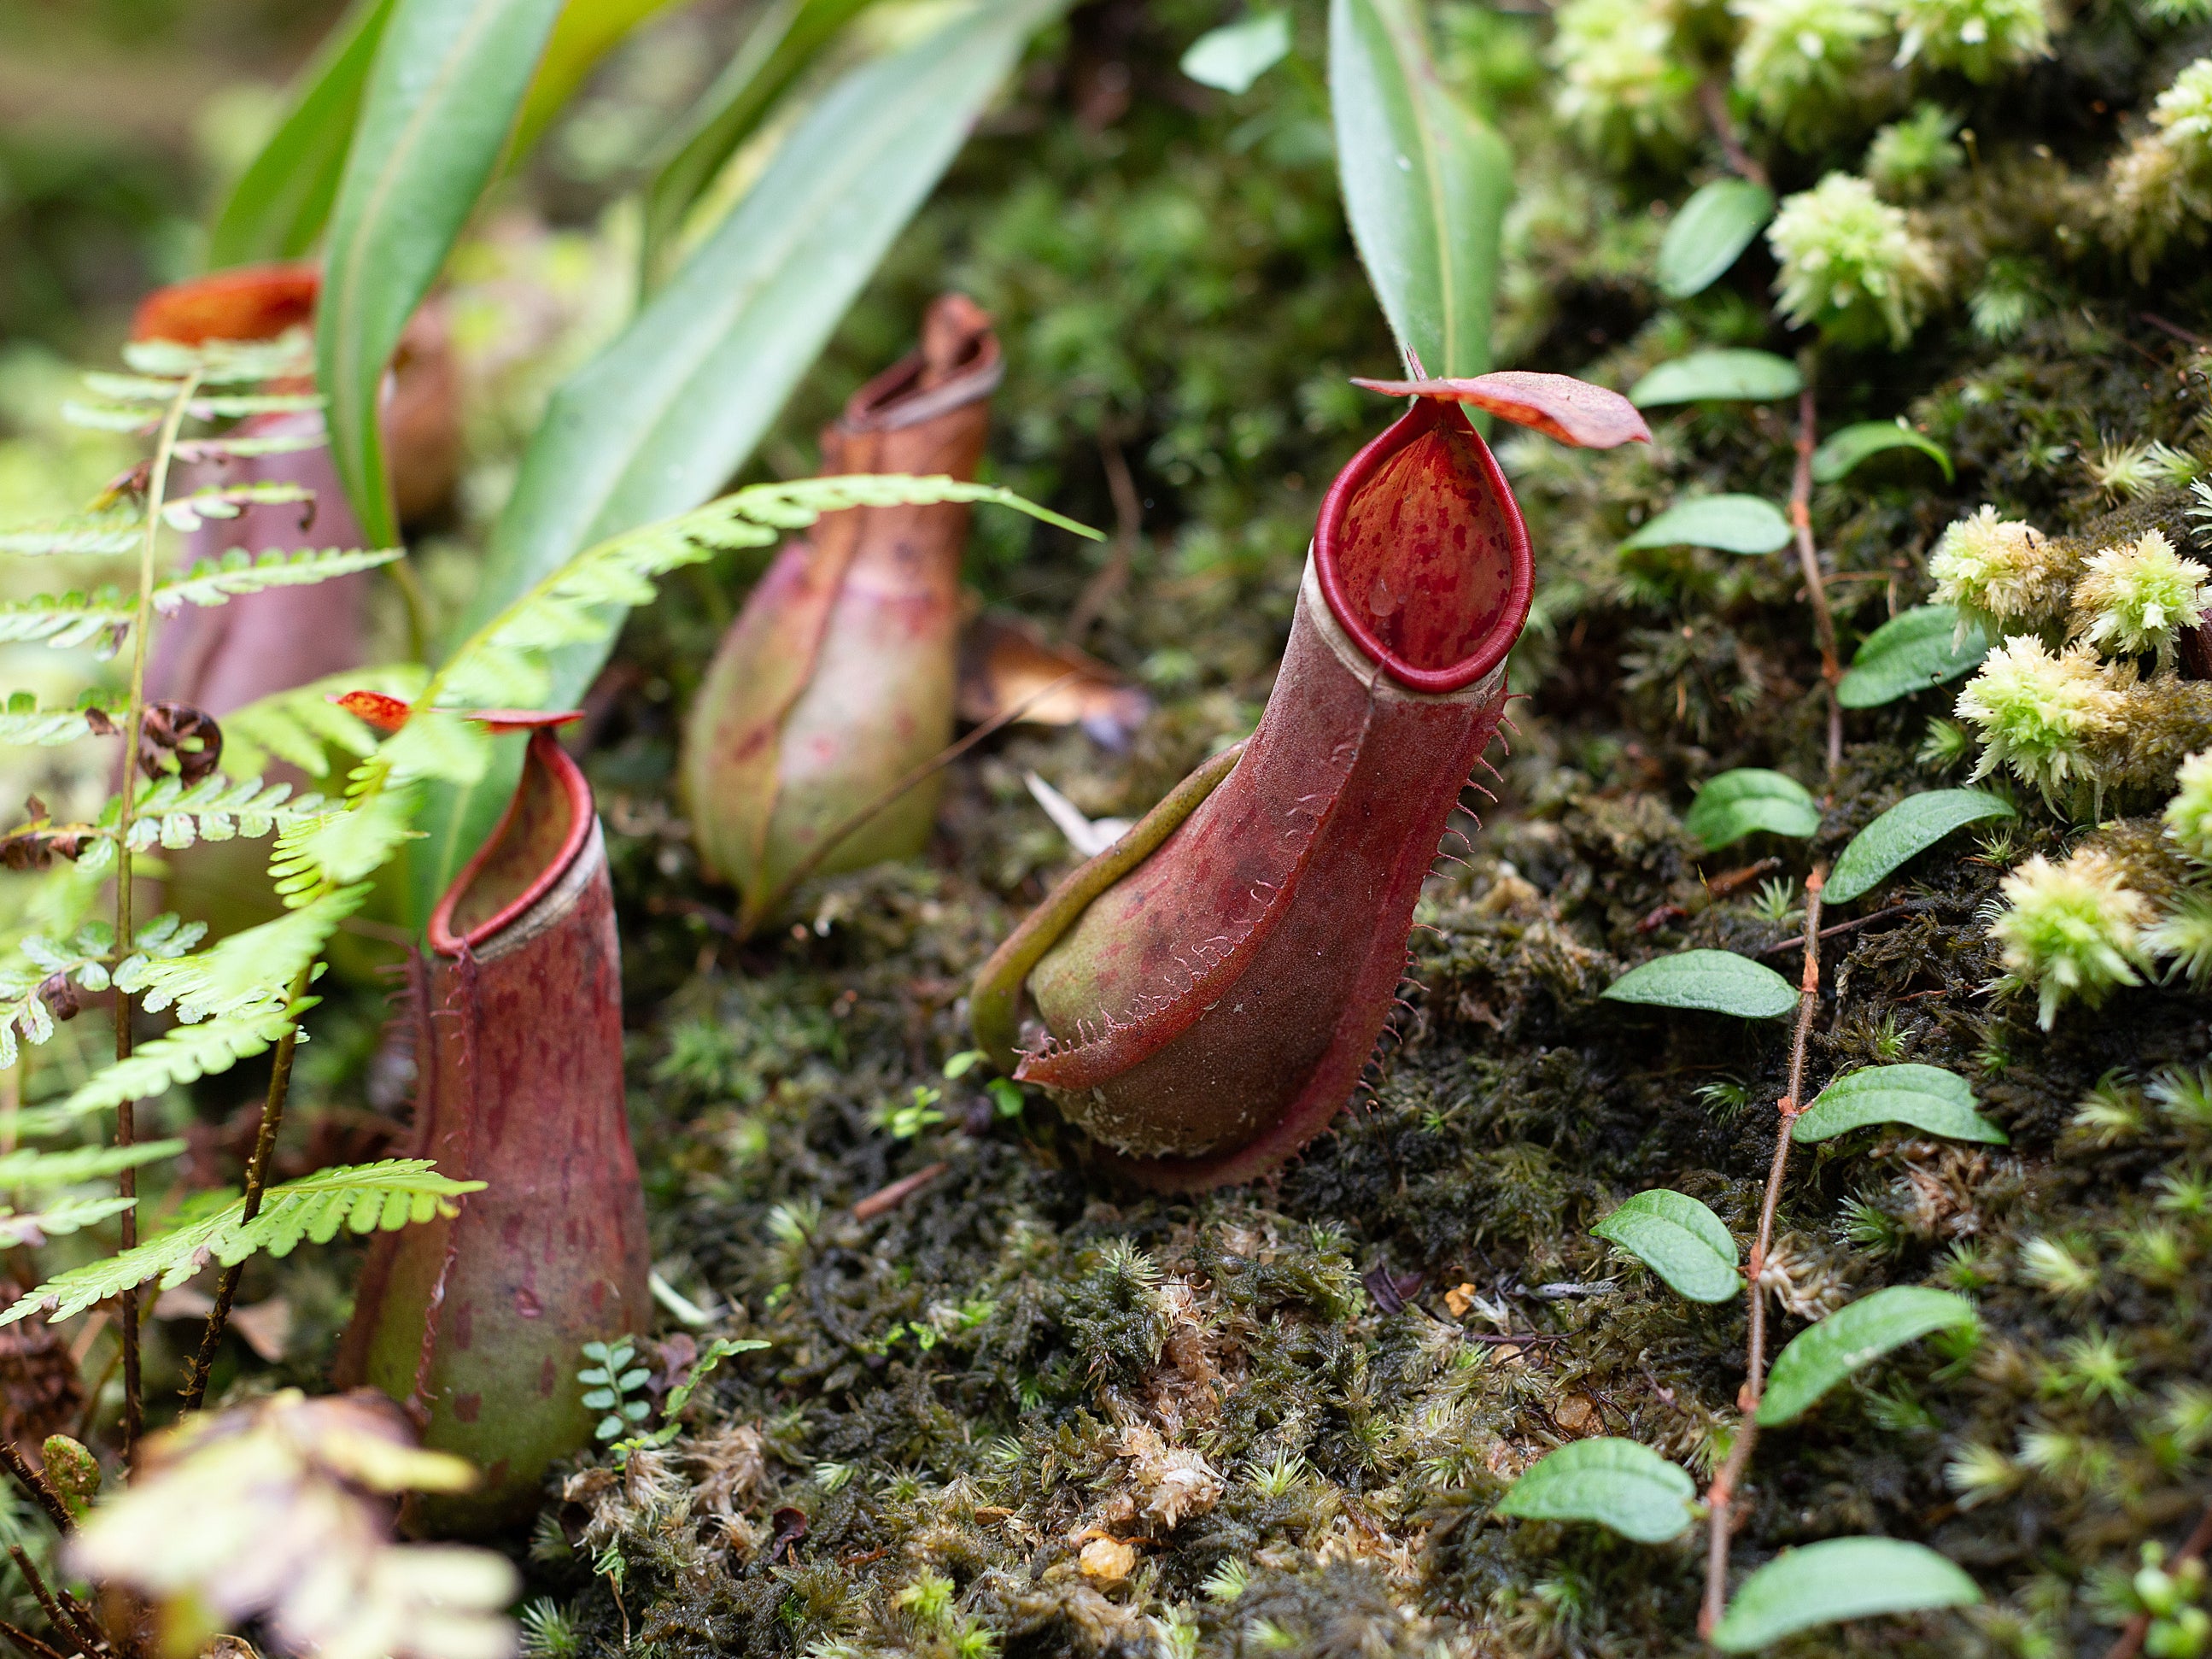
(2040, 714)
(1853, 264)
(1795, 56)
(2074, 931)
(1979, 39)
(2002, 574)
(2189, 814)
(2135, 598)
(1621, 83)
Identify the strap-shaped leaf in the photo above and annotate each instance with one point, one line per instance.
(441, 98)
(656, 422)
(362, 1198)
(1425, 181)
(237, 573)
(789, 36)
(281, 201)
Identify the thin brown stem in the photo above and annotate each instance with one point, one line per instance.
(1128, 515)
(1720, 1497)
(1712, 98)
(2131, 1639)
(750, 915)
(126, 1115)
(34, 1482)
(1808, 561)
(27, 1642)
(256, 1182)
(88, 1643)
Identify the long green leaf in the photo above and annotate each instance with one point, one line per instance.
(1425, 182)
(789, 37)
(1679, 1239)
(1616, 1483)
(280, 203)
(439, 104)
(586, 32)
(657, 423)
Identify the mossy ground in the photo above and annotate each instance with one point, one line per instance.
(1295, 1402)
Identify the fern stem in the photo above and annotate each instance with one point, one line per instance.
(126, 1123)
(81, 1640)
(256, 1183)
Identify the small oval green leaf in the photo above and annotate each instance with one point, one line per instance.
(1856, 1335)
(1710, 981)
(1709, 235)
(1911, 651)
(1679, 1239)
(1735, 803)
(1836, 1579)
(1927, 1097)
(1759, 376)
(1614, 1482)
(1845, 449)
(1231, 57)
(1734, 523)
(1908, 829)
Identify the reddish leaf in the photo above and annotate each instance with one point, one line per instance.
(384, 713)
(1558, 405)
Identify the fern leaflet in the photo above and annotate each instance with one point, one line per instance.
(62, 1216)
(245, 971)
(188, 1052)
(27, 1167)
(301, 725)
(22, 721)
(66, 621)
(364, 1198)
(237, 573)
(116, 530)
(189, 512)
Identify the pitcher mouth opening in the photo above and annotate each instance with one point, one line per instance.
(1421, 552)
(546, 826)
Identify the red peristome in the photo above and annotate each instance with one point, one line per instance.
(252, 302)
(1210, 989)
(1558, 405)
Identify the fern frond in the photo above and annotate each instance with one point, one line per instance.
(118, 529)
(187, 1053)
(111, 418)
(65, 621)
(62, 1217)
(23, 1010)
(176, 815)
(130, 388)
(364, 1198)
(437, 743)
(302, 725)
(225, 362)
(193, 451)
(212, 581)
(188, 512)
(246, 970)
(22, 721)
(341, 848)
(504, 662)
(224, 406)
(30, 1168)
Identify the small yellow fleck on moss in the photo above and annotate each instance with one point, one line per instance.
(1107, 1560)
